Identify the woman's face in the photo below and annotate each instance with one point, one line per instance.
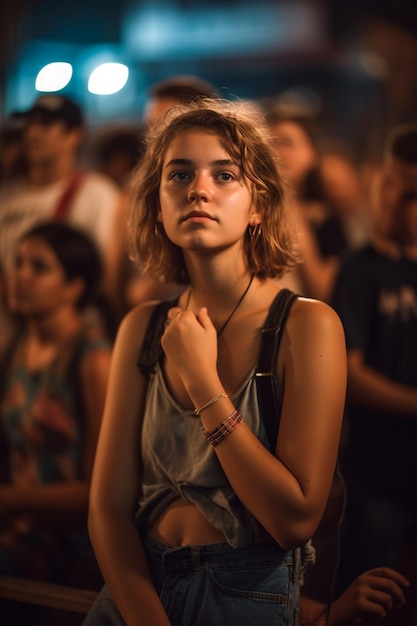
(295, 150)
(37, 282)
(205, 199)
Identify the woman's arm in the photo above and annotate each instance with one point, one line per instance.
(287, 493)
(115, 487)
(318, 272)
(312, 612)
(95, 372)
(374, 390)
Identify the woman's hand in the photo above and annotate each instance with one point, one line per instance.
(375, 592)
(190, 342)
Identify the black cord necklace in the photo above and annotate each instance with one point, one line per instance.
(235, 308)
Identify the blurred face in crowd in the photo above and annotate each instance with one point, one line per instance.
(396, 205)
(38, 284)
(47, 140)
(342, 182)
(297, 154)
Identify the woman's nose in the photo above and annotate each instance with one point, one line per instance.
(22, 271)
(199, 190)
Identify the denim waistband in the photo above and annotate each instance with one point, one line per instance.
(217, 555)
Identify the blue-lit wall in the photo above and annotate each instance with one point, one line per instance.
(247, 49)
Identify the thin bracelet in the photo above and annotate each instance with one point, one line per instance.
(224, 429)
(210, 402)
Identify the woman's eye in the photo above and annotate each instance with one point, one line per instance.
(225, 176)
(179, 176)
(40, 267)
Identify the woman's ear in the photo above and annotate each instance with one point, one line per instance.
(159, 212)
(75, 289)
(254, 218)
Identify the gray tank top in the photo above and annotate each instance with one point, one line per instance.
(178, 462)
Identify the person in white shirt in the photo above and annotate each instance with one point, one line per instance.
(54, 187)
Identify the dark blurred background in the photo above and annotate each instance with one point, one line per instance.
(353, 63)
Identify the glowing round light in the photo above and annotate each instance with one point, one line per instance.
(53, 77)
(108, 78)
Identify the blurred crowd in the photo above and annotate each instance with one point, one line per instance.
(67, 280)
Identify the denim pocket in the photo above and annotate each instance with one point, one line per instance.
(253, 595)
(265, 583)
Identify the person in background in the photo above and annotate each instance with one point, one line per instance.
(345, 188)
(53, 381)
(321, 234)
(174, 90)
(53, 186)
(195, 518)
(376, 297)
(162, 96)
(115, 150)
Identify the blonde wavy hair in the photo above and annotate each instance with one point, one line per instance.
(272, 250)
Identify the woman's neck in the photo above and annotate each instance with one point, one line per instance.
(54, 328)
(217, 274)
(223, 298)
(48, 342)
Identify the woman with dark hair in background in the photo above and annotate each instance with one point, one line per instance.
(53, 383)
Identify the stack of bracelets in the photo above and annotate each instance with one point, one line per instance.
(224, 429)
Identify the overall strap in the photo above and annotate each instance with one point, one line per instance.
(267, 387)
(266, 381)
(151, 348)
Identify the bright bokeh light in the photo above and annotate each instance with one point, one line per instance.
(108, 78)
(54, 77)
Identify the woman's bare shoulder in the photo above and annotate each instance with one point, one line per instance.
(139, 316)
(133, 327)
(312, 311)
(314, 323)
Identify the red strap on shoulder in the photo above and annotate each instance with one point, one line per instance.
(64, 203)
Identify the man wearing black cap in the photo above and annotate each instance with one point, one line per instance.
(54, 187)
(52, 108)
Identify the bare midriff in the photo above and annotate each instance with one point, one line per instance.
(182, 524)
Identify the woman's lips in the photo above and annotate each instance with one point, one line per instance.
(197, 215)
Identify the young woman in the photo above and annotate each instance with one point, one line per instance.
(53, 382)
(193, 517)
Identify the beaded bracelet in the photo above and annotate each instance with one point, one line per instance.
(210, 402)
(224, 429)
